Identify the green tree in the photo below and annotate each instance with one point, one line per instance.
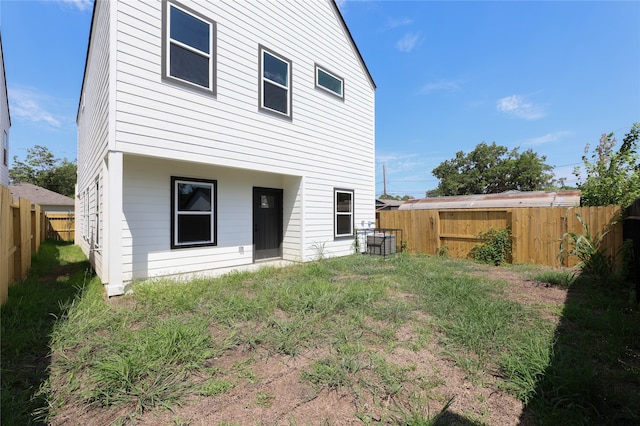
(43, 169)
(490, 169)
(612, 177)
(395, 197)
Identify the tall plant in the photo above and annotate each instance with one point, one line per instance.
(612, 177)
(587, 248)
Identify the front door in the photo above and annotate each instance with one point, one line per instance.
(267, 223)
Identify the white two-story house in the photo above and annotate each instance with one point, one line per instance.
(219, 135)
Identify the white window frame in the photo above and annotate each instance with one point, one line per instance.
(167, 41)
(337, 213)
(330, 74)
(175, 213)
(262, 80)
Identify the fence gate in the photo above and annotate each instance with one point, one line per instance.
(60, 226)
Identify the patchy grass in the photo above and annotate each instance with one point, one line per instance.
(59, 274)
(351, 323)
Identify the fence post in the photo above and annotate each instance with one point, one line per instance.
(6, 241)
(25, 237)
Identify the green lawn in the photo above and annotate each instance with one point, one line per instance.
(64, 344)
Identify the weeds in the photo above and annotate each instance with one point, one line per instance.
(557, 277)
(27, 319)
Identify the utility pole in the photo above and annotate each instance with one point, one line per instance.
(384, 180)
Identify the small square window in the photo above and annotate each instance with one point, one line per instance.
(330, 82)
(188, 53)
(343, 213)
(193, 205)
(275, 83)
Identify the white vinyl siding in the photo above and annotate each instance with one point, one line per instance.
(93, 133)
(147, 207)
(165, 121)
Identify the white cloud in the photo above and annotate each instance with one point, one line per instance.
(408, 42)
(397, 163)
(441, 85)
(397, 22)
(29, 105)
(81, 5)
(549, 137)
(517, 106)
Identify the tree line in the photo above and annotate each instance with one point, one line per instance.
(611, 177)
(42, 168)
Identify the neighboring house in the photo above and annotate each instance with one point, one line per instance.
(388, 204)
(5, 122)
(502, 200)
(215, 135)
(49, 201)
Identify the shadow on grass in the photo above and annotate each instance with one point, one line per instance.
(594, 372)
(57, 276)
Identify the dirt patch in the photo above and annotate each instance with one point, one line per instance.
(546, 298)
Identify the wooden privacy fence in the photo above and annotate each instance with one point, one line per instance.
(536, 232)
(60, 226)
(22, 229)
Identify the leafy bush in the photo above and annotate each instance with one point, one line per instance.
(495, 248)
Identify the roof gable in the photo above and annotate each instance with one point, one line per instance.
(38, 195)
(352, 42)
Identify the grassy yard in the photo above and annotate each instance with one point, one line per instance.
(411, 340)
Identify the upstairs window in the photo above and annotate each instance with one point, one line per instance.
(343, 222)
(193, 205)
(275, 83)
(188, 48)
(329, 82)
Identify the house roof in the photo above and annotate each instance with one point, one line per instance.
(38, 195)
(502, 200)
(353, 42)
(390, 202)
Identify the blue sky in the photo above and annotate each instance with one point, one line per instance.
(545, 75)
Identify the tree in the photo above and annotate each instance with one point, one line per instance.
(612, 177)
(490, 169)
(395, 197)
(43, 169)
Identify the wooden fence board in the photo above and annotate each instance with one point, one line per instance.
(536, 232)
(6, 242)
(22, 229)
(25, 238)
(60, 226)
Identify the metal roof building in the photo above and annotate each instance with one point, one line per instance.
(507, 199)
